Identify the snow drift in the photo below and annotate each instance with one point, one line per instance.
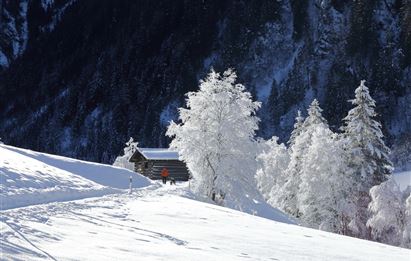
(29, 178)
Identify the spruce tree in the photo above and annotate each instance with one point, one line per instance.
(288, 199)
(314, 115)
(368, 155)
(299, 120)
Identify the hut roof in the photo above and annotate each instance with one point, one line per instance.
(157, 153)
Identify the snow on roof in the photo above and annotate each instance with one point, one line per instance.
(158, 153)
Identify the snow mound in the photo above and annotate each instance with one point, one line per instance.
(28, 178)
(403, 179)
(255, 205)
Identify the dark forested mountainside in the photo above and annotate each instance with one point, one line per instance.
(79, 77)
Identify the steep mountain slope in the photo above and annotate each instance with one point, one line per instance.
(23, 21)
(107, 70)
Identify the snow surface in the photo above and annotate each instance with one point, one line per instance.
(166, 224)
(403, 179)
(154, 222)
(29, 178)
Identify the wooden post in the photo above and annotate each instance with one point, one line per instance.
(130, 185)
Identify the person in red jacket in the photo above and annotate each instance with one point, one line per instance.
(164, 175)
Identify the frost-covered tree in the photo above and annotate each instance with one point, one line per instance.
(388, 217)
(314, 116)
(406, 234)
(368, 155)
(289, 192)
(270, 176)
(299, 120)
(129, 149)
(216, 137)
(325, 185)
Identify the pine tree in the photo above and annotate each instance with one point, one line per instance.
(299, 120)
(216, 138)
(368, 155)
(289, 192)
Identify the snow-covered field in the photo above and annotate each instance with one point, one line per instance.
(29, 177)
(155, 222)
(403, 179)
(165, 224)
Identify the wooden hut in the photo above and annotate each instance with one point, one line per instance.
(151, 161)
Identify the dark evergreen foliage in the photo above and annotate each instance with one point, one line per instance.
(109, 68)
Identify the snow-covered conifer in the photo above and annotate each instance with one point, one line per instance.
(270, 176)
(129, 149)
(299, 120)
(314, 115)
(216, 137)
(289, 192)
(387, 207)
(368, 155)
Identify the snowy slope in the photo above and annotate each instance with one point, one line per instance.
(153, 223)
(165, 224)
(29, 178)
(403, 179)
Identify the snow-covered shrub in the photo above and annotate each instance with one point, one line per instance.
(123, 161)
(388, 213)
(270, 176)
